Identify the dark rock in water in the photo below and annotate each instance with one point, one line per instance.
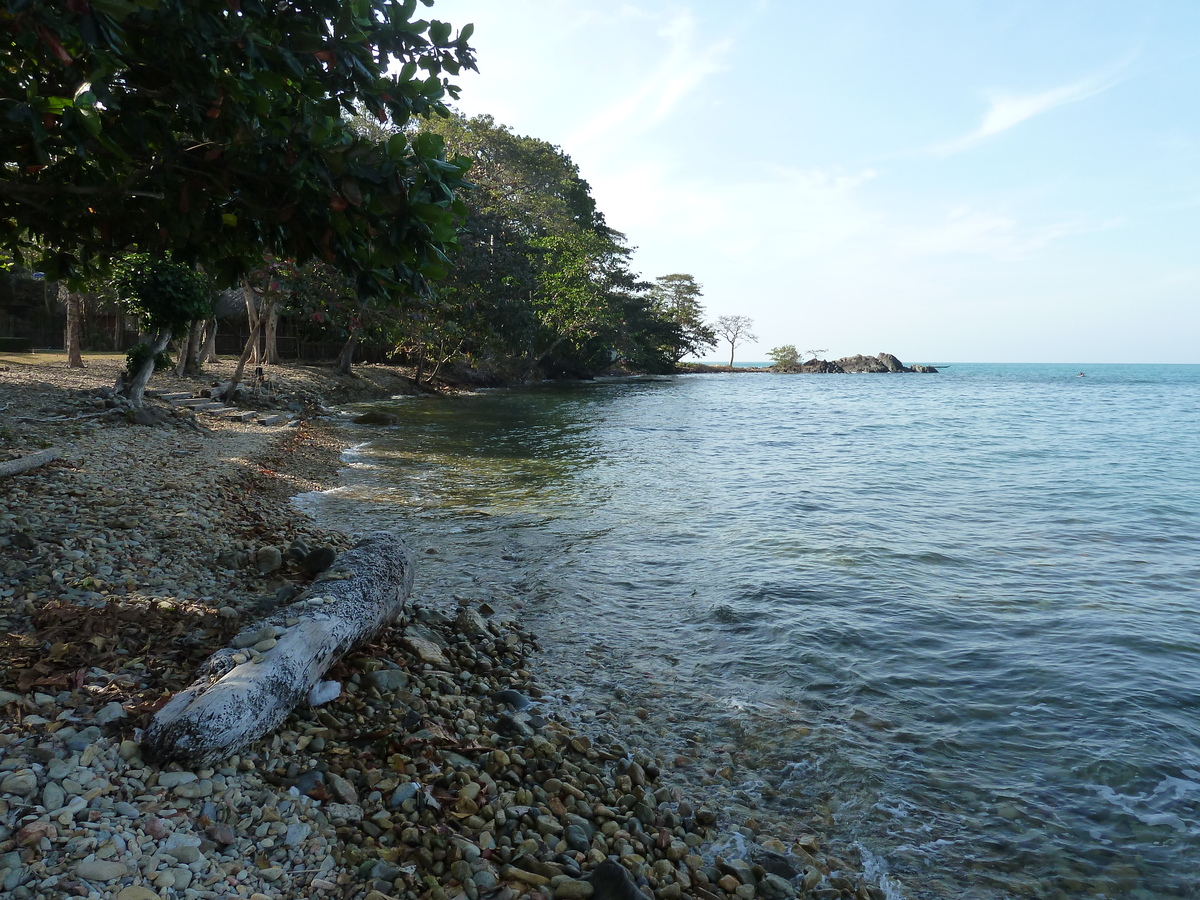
(319, 560)
(376, 418)
(893, 364)
(859, 363)
(822, 367)
(512, 698)
(610, 881)
(928, 369)
(775, 863)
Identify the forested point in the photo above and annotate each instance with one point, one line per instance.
(161, 157)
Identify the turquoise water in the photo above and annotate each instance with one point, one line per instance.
(949, 618)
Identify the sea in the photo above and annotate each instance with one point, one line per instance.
(949, 621)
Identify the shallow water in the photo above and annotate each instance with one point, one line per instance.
(956, 613)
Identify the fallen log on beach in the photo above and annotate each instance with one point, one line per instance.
(246, 690)
(32, 461)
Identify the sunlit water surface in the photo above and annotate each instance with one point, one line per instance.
(955, 613)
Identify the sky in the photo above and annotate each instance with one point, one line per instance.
(953, 181)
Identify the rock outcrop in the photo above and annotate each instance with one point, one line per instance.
(883, 363)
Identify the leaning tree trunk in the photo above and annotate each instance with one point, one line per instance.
(347, 355)
(135, 390)
(209, 353)
(240, 371)
(74, 304)
(243, 694)
(252, 318)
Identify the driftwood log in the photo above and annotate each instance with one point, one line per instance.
(247, 689)
(32, 461)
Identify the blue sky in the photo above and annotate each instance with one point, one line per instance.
(947, 181)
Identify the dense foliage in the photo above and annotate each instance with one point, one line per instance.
(784, 356)
(541, 283)
(219, 130)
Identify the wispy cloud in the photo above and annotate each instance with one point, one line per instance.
(992, 234)
(1008, 110)
(683, 68)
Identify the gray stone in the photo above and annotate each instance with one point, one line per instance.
(185, 848)
(21, 783)
(406, 791)
(296, 834)
(772, 887)
(347, 811)
(573, 889)
(268, 559)
(84, 739)
(387, 680)
(101, 870)
(342, 789)
(174, 779)
(471, 623)
(111, 712)
(7, 697)
(194, 790)
(577, 839)
(53, 797)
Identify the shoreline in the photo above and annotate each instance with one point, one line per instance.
(416, 782)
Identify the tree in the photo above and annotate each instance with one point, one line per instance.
(735, 330)
(168, 296)
(677, 298)
(218, 130)
(783, 357)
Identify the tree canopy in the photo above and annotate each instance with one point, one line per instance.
(677, 299)
(219, 130)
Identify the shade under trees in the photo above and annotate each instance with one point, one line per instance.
(219, 131)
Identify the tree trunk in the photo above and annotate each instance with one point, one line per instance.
(195, 338)
(74, 303)
(347, 356)
(209, 353)
(252, 318)
(731, 354)
(247, 352)
(242, 695)
(181, 348)
(32, 461)
(271, 349)
(136, 388)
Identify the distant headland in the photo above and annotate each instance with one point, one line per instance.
(884, 363)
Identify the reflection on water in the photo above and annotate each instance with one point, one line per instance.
(952, 618)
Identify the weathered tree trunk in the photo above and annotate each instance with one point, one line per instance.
(270, 343)
(347, 355)
(74, 304)
(243, 694)
(32, 461)
(136, 389)
(195, 338)
(240, 371)
(253, 319)
(209, 353)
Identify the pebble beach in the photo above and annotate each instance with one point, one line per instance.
(437, 772)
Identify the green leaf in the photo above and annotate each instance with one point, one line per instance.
(229, 220)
